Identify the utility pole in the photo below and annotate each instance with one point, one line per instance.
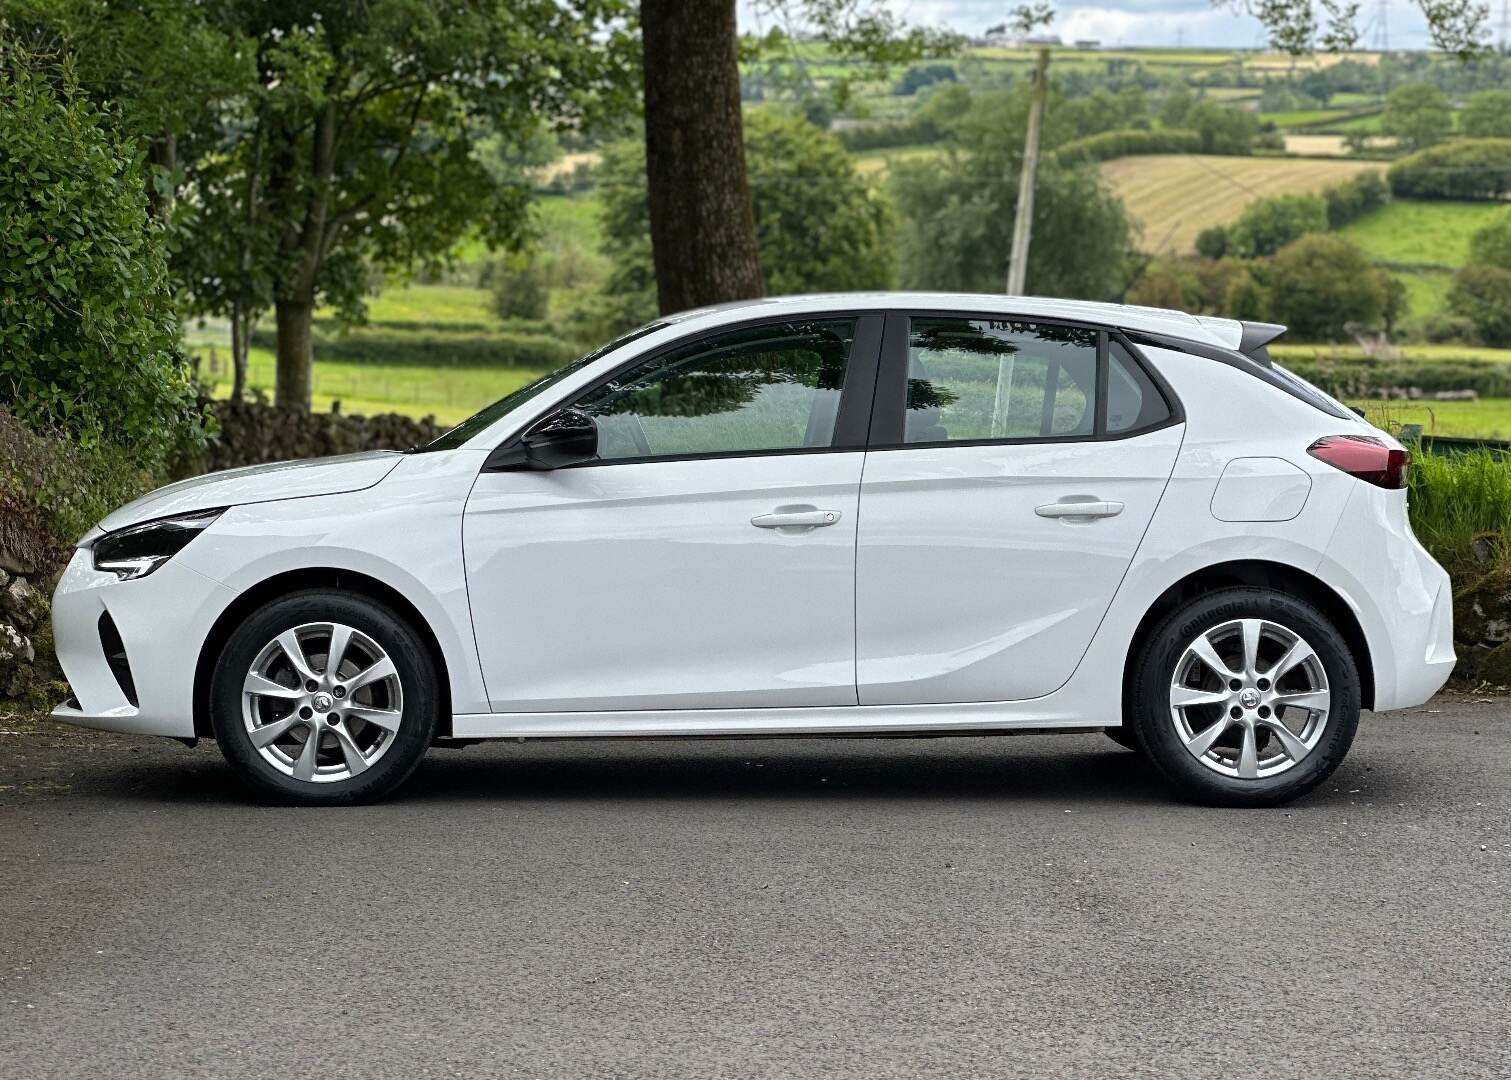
(1023, 218)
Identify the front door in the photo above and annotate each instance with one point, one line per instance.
(706, 559)
(1013, 473)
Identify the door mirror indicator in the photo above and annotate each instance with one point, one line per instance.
(565, 437)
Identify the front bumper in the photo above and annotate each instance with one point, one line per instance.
(162, 621)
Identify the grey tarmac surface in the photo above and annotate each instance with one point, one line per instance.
(1035, 906)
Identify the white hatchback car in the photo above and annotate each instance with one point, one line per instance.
(889, 514)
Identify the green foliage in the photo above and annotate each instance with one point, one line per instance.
(1126, 142)
(1464, 169)
(520, 287)
(526, 345)
(1418, 115)
(1352, 198)
(88, 336)
(1352, 375)
(820, 226)
(1267, 225)
(921, 75)
(1487, 115)
(1321, 286)
(1212, 242)
(1491, 246)
(1460, 499)
(1222, 130)
(1482, 294)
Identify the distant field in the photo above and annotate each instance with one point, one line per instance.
(872, 162)
(1175, 196)
(450, 395)
(1487, 418)
(1421, 233)
(1285, 351)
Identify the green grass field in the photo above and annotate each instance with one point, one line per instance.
(1284, 351)
(1407, 232)
(1487, 418)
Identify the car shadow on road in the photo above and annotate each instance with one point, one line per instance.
(1053, 769)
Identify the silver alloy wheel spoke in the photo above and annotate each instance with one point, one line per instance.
(1203, 740)
(387, 719)
(269, 732)
(1293, 746)
(1227, 705)
(319, 731)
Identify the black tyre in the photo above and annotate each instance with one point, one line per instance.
(1124, 737)
(333, 667)
(1245, 697)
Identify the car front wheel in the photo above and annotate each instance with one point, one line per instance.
(1246, 697)
(324, 697)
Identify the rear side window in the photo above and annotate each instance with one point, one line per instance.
(984, 379)
(1133, 401)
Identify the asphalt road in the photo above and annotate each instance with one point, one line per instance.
(1034, 906)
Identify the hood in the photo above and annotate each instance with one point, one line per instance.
(258, 483)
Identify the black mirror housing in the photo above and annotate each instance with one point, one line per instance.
(565, 437)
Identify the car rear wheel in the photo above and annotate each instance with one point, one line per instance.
(324, 697)
(1246, 697)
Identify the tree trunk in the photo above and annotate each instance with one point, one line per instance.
(241, 334)
(702, 223)
(295, 351)
(163, 153)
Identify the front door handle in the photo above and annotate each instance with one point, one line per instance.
(1076, 509)
(796, 518)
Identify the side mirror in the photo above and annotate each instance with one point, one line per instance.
(563, 438)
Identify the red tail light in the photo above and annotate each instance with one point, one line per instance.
(1367, 458)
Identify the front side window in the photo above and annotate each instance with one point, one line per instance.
(754, 389)
(973, 379)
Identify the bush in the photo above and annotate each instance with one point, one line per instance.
(1418, 115)
(1488, 114)
(1212, 242)
(1491, 246)
(1460, 501)
(1466, 169)
(1482, 294)
(1321, 286)
(1354, 376)
(1267, 225)
(919, 76)
(1127, 142)
(520, 286)
(88, 340)
(433, 347)
(1355, 197)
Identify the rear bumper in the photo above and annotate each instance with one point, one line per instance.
(162, 621)
(1401, 597)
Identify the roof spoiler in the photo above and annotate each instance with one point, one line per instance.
(1255, 339)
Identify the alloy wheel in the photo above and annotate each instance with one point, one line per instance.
(1249, 699)
(322, 702)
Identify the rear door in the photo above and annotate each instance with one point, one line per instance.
(1013, 470)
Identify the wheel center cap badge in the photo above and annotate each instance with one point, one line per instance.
(1249, 699)
(323, 702)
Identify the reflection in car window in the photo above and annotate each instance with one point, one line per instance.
(999, 379)
(769, 387)
(1133, 402)
(459, 435)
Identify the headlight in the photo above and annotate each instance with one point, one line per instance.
(141, 549)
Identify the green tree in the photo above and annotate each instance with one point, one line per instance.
(1491, 245)
(88, 334)
(956, 215)
(1418, 115)
(819, 225)
(1321, 286)
(1267, 225)
(354, 150)
(1482, 294)
(1487, 114)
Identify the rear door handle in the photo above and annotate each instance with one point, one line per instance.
(796, 518)
(1069, 509)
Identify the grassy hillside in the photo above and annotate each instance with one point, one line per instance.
(1175, 196)
(1418, 233)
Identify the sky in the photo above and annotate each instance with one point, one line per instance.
(1141, 22)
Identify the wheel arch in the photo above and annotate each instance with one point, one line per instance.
(293, 581)
(1265, 574)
